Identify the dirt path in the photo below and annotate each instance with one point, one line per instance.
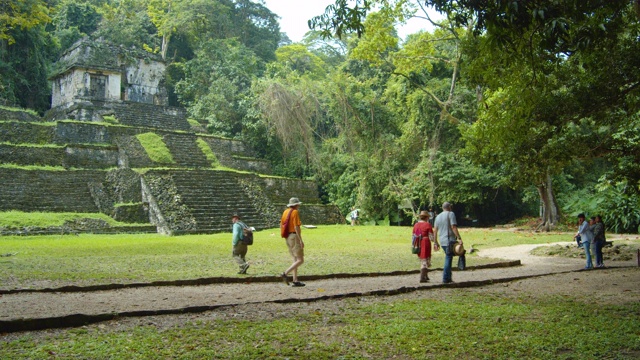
(30, 311)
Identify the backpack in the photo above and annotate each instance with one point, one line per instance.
(284, 227)
(247, 234)
(416, 241)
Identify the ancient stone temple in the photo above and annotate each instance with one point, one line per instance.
(111, 145)
(96, 70)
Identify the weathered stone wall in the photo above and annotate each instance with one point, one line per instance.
(77, 84)
(31, 155)
(131, 213)
(317, 214)
(143, 80)
(18, 115)
(166, 208)
(85, 133)
(90, 157)
(50, 191)
(96, 69)
(280, 190)
(16, 132)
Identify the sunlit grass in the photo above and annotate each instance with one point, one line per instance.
(155, 148)
(95, 259)
(15, 219)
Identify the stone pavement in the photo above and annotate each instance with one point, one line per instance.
(24, 311)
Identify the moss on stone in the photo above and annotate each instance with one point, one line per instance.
(155, 148)
(208, 153)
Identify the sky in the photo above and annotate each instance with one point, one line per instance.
(294, 15)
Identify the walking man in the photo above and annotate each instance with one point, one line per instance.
(239, 247)
(291, 221)
(446, 228)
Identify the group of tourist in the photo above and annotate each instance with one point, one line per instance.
(291, 231)
(590, 236)
(443, 232)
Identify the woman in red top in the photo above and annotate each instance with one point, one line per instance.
(422, 227)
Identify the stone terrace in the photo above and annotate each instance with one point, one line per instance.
(192, 197)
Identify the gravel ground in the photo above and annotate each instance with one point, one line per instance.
(618, 284)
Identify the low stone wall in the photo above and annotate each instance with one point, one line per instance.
(26, 133)
(49, 191)
(131, 213)
(315, 214)
(31, 155)
(88, 157)
(280, 190)
(18, 115)
(72, 132)
(258, 166)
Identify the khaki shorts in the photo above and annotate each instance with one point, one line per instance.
(295, 249)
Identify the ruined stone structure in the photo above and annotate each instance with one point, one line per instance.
(95, 70)
(88, 155)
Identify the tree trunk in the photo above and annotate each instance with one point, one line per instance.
(550, 212)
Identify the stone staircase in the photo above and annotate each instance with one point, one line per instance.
(213, 197)
(152, 116)
(48, 191)
(185, 151)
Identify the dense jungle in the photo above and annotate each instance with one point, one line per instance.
(508, 109)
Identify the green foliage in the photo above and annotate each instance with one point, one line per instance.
(125, 22)
(216, 83)
(10, 108)
(111, 119)
(32, 167)
(21, 15)
(24, 66)
(74, 20)
(208, 153)
(155, 148)
(297, 58)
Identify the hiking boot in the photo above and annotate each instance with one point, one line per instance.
(284, 278)
(243, 269)
(423, 275)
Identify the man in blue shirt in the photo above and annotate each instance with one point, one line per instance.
(239, 247)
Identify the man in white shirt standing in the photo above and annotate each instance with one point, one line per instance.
(584, 230)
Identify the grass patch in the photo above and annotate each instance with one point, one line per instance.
(208, 153)
(194, 123)
(484, 326)
(32, 167)
(30, 111)
(155, 148)
(54, 146)
(16, 219)
(95, 259)
(110, 119)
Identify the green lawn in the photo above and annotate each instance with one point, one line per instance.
(488, 326)
(97, 259)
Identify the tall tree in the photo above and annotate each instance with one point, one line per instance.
(18, 15)
(26, 51)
